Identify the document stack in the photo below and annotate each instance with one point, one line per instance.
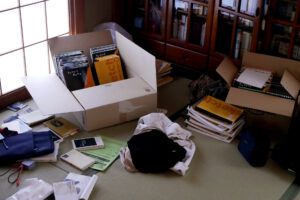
(163, 71)
(215, 118)
(71, 68)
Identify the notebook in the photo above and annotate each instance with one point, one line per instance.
(77, 159)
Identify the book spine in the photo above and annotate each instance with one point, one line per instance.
(237, 43)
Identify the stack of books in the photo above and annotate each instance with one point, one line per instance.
(163, 71)
(106, 64)
(71, 68)
(215, 118)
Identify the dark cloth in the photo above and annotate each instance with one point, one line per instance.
(205, 85)
(154, 152)
(6, 133)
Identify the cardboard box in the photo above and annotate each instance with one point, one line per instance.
(102, 105)
(273, 107)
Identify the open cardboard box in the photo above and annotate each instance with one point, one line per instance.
(277, 111)
(102, 105)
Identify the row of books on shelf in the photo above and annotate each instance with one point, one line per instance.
(248, 6)
(242, 43)
(76, 72)
(215, 118)
(296, 52)
(200, 10)
(180, 27)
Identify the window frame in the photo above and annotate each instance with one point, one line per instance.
(77, 25)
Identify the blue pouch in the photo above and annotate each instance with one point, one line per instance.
(254, 146)
(26, 145)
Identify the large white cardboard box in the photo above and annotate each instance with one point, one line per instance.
(102, 105)
(265, 111)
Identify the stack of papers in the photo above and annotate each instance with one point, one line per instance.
(215, 118)
(163, 70)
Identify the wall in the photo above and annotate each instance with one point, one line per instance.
(96, 12)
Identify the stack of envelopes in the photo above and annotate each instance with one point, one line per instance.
(215, 118)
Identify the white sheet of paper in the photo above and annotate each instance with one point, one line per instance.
(254, 77)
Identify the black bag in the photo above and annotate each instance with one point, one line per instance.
(154, 152)
(254, 146)
(26, 145)
(287, 153)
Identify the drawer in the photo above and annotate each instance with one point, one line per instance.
(154, 47)
(186, 57)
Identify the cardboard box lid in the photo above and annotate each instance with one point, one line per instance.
(290, 83)
(79, 42)
(137, 60)
(51, 95)
(260, 101)
(227, 70)
(272, 63)
(113, 92)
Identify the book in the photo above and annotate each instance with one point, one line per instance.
(257, 78)
(212, 125)
(109, 69)
(17, 125)
(34, 117)
(52, 157)
(219, 109)
(77, 159)
(237, 43)
(83, 184)
(62, 127)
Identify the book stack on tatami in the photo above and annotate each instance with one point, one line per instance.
(215, 118)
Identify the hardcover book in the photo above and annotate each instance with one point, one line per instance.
(62, 127)
(219, 109)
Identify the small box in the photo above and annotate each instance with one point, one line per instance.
(109, 69)
(102, 105)
(266, 111)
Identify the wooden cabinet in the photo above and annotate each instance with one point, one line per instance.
(148, 18)
(186, 57)
(189, 24)
(282, 36)
(198, 33)
(236, 26)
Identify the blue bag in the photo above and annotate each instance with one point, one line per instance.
(254, 146)
(26, 145)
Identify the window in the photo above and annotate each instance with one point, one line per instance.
(26, 26)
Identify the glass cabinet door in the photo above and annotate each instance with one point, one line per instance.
(155, 16)
(224, 32)
(243, 37)
(286, 9)
(198, 24)
(249, 7)
(296, 48)
(280, 39)
(180, 16)
(230, 4)
(139, 14)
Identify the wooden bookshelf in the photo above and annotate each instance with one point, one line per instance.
(282, 32)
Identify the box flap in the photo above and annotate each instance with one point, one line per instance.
(51, 95)
(113, 92)
(290, 83)
(138, 61)
(227, 70)
(271, 63)
(84, 41)
(260, 101)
